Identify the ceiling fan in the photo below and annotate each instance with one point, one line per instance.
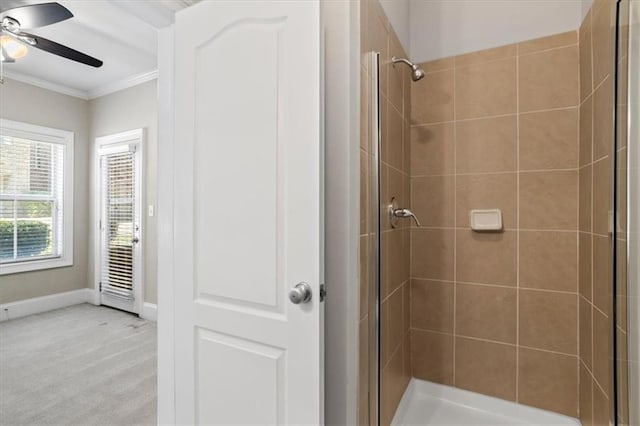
(34, 16)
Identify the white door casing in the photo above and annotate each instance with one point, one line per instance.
(131, 141)
(247, 213)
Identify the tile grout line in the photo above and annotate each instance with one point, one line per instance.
(592, 94)
(495, 116)
(518, 223)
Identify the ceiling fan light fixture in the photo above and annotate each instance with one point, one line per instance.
(13, 48)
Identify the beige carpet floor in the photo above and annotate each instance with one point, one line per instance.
(81, 365)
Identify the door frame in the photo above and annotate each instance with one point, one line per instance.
(102, 142)
(165, 217)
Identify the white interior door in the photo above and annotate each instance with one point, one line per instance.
(247, 218)
(120, 206)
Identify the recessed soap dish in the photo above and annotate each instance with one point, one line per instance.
(486, 220)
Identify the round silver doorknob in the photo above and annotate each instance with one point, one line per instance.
(301, 293)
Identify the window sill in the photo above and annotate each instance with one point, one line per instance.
(34, 265)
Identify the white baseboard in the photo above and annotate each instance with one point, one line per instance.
(38, 305)
(149, 311)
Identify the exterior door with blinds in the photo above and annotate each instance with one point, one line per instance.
(120, 221)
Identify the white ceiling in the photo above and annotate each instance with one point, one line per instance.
(121, 33)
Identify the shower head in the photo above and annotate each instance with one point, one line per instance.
(416, 73)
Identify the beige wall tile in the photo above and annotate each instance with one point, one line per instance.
(486, 89)
(384, 332)
(601, 327)
(364, 109)
(432, 253)
(549, 320)
(432, 98)
(486, 55)
(396, 322)
(549, 79)
(384, 264)
(549, 200)
(548, 380)
(396, 189)
(586, 72)
(438, 64)
(398, 258)
(549, 140)
(603, 42)
(432, 305)
(486, 191)
(585, 332)
(406, 148)
(397, 72)
(601, 407)
(601, 196)
(433, 200)
(432, 149)
(391, 387)
(486, 312)
(432, 356)
(487, 258)
(364, 283)
(363, 372)
(384, 194)
(377, 38)
(584, 281)
(586, 406)
(602, 273)
(549, 42)
(393, 150)
(364, 191)
(549, 260)
(486, 367)
(584, 208)
(406, 352)
(486, 145)
(406, 307)
(603, 119)
(586, 131)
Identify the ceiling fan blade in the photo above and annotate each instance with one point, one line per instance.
(60, 50)
(39, 15)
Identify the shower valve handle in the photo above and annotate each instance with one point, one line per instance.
(404, 213)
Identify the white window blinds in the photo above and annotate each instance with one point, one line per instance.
(118, 224)
(31, 199)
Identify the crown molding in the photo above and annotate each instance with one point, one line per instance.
(54, 87)
(116, 86)
(107, 89)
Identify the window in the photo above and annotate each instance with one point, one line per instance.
(36, 197)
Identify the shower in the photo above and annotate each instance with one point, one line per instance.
(416, 73)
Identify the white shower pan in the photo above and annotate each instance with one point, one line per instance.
(425, 403)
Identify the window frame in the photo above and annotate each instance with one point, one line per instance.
(56, 136)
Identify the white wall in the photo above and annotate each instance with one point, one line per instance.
(341, 209)
(397, 12)
(30, 104)
(442, 28)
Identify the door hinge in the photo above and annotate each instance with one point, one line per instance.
(323, 292)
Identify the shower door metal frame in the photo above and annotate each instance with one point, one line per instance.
(373, 59)
(632, 222)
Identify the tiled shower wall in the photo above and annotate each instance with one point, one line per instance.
(378, 35)
(497, 313)
(597, 44)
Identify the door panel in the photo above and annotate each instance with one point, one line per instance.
(120, 221)
(247, 213)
